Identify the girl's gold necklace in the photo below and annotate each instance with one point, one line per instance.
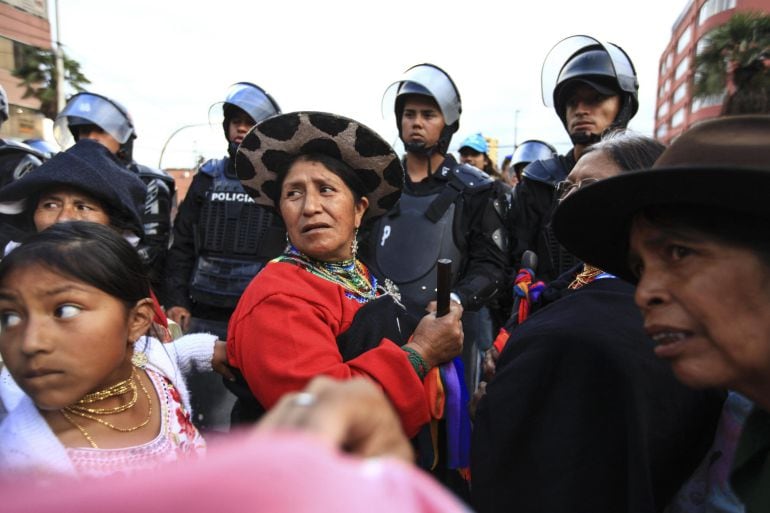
(124, 387)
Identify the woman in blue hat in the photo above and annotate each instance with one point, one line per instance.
(474, 151)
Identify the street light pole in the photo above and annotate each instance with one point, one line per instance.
(515, 129)
(165, 144)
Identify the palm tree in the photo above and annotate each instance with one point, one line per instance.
(736, 59)
(38, 75)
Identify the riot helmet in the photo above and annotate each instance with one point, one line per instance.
(429, 80)
(605, 67)
(249, 98)
(93, 109)
(530, 151)
(4, 112)
(16, 160)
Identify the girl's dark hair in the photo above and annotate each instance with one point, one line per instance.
(629, 150)
(336, 166)
(725, 226)
(88, 252)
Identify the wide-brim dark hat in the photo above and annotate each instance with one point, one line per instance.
(87, 166)
(270, 147)
(722, 164)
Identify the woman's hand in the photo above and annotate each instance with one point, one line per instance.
(219, 360)
(353, 415)
(489, 366)
(439, 339)
(181, 316)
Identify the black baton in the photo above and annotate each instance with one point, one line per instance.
(529, 260)
(443, 282)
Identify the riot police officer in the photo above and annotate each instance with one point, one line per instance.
(93, 116)
(16, 159)
(593, 88)
(528, 152)
(221, 241)
(447, 210)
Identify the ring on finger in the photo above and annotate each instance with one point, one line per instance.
(304, 399)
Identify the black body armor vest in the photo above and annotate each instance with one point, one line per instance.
(234, 239)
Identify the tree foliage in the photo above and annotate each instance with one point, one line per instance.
(736, 54)
(38, 74)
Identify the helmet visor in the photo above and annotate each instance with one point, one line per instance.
(530, 151)
(436, 82)
(563, 51)
(92, 109)
(250, 99)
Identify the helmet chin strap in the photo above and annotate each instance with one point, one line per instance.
(585, 138)
(440, 147)
(620, 123)
(232, 149)
(419, 148)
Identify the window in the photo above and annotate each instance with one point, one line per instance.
(702, 44)
(663, 109)
(709, 101)
(12, 54)
(677, 118)
(661, 131)
(6, 54)
(665, 64)
(712, 7)
(684, 40)
(664, 88)
(679, 93)
(682, 68)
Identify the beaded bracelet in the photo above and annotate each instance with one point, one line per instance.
(418, 362)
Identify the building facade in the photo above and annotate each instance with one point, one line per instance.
(676, 110)
(22, 23)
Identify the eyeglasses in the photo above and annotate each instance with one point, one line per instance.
(565, 187)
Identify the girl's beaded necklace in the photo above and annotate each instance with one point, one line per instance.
(351, 275)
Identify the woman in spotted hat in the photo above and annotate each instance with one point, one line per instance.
(316, 309)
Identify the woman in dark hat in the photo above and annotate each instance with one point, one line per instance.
(580, 415)
(326, 175)
(691, 233)
(84, 183)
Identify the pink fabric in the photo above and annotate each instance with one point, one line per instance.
(270, 472)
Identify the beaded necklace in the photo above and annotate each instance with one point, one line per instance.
(351, 275)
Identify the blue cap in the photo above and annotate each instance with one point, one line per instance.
(475, 142)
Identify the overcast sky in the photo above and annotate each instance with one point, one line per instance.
(169, 61)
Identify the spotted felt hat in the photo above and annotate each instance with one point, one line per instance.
(271, 146)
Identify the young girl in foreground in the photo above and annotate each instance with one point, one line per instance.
(90, 401)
